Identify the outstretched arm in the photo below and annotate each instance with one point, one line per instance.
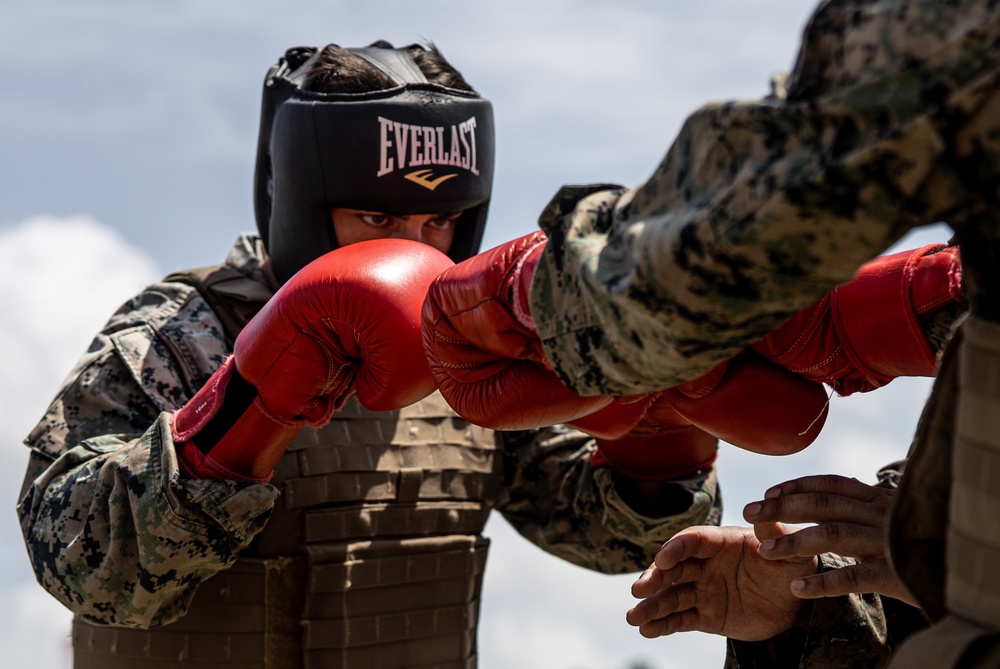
(759, 208)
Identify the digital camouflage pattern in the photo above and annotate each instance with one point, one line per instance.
(889, 120)
(115, 533)
(112, 530)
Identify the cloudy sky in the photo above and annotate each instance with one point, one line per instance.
(128, 131)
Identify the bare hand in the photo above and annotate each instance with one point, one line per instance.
(850, 519)
(713, 579)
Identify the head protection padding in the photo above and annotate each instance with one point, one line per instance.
(416, 148)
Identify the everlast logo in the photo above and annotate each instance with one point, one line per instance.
(402, 146)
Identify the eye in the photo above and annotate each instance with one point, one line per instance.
(443, 222)
(374, 220)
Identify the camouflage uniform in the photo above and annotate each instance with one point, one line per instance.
(364, 550)
(889, 120)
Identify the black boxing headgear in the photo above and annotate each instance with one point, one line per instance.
(415, 148)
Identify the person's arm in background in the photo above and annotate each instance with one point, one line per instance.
(759, 208)
(890, 320)
(557, 497)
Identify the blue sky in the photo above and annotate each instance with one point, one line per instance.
(128, 132)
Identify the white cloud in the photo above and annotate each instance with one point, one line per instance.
(59, 281)
(34, 630)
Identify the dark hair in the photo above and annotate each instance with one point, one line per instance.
(337, 70)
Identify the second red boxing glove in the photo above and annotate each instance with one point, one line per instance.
(746, 401)
(482, 346)
(754, 404)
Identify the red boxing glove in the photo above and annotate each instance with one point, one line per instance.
(746, 401)
(659, 448)
(866, 332)
(754, 404)
(349, 321)
(482, 346)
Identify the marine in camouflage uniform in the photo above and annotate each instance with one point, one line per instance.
(889, 120)
(365, 550)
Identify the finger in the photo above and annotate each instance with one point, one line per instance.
(677, 549)
(649, 583)
(822, 483)
(685, 621)
(865, 577)
(765, 531)
(688, 571)
(818, 507)
(693, 542)
(669, 601)
(857, 541)
(768, 532)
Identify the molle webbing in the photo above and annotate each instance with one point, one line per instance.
(419, 471)
(410, 603)
(371, 605)
(225, 626)
(973, 541)
(386, 510)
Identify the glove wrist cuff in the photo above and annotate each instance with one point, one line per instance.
(877, 312)
(224, 432)
(521, 276)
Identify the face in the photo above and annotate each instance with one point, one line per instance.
(357, 225)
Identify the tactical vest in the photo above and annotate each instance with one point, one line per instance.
(944, 532)
(973, 542)
(372, 558)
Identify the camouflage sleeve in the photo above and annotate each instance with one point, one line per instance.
(858, 631)
(112, 530)
(761, 207)
(558, 500)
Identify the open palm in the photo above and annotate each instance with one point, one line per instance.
(714, 580)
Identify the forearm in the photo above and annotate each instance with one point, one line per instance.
(851, 630)
(118, 537)
(760, 208)
(561, 502)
